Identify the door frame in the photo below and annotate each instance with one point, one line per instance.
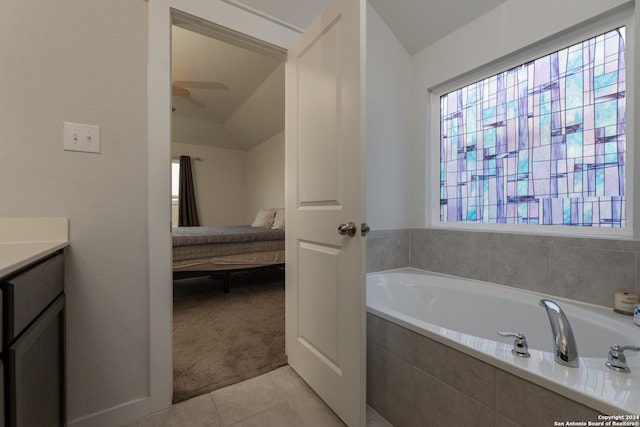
(223, 13)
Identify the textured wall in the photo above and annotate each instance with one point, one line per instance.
(79, 61)
(388, 146)
(220, 182)
(265, 176)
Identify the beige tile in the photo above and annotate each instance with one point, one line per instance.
(637, 288)
(533, 406)
(393, 338)
(520, 261)
(387, 249)
(376, 254)
(591, 275)
(614, 244)
(465, 373)
(378, 422)
(371, 413)
(306, 409)
(505, 422)
(464, 254)
(197, 412)
(247, 398)
(288, 382)
(376, 391)
(374, 329)
(436, 404)
(388, 385)
(375, 420)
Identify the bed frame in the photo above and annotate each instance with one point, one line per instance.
(224, 275)
(218, 252)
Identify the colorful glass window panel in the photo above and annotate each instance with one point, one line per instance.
(541, 143)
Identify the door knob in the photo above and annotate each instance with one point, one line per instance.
(364, 229)
(348, 229)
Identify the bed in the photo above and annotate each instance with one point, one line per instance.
(220, 251)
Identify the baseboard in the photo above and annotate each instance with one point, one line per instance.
(117, 416)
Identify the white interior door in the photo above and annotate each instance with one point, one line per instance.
(325, 298)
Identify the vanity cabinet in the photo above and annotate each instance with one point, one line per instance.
(33, 344)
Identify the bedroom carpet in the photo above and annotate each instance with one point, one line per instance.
(220, 339)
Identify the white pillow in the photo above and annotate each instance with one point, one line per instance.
(264, 218)
(278, 221)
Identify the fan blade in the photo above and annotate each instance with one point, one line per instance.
(179, 91)
(202, 85)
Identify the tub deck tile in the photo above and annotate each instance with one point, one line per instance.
(534, 406)
(389, 385)
(393, 338)
(465, 373)
(436, 404)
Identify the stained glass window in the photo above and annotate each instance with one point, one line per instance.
(541, 143)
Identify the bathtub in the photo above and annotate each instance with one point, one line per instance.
(466, 315)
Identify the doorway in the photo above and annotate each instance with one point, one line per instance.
(228, 117)
(160, 16)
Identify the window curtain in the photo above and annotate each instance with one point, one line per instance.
(187, 209)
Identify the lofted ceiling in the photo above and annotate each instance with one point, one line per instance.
(419, 23)
(241, 101)
(416, 23)
(234, 96)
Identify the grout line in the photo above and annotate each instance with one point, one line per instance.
(635, 272)
(213, 401)
(410, 247)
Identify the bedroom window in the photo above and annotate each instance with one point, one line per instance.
(175, 180)
(542, 143)
(175, 185)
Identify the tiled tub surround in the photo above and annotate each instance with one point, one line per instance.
(415, 381)
(466, 315)
(581, 269)
(388, 249)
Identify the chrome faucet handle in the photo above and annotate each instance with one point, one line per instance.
(617, 360)
(520, 346)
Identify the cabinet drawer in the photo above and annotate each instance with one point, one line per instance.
(2, 412)
(29, 293)
(35, 380)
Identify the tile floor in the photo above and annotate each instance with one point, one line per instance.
(279, 398)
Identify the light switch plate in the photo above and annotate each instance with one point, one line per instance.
(81, 137)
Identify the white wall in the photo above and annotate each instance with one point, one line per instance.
(265, 176)
(389, 185)
(73, 60)
(220, 182)
(264, 109)
(513, 26)
(232, 185)
(189, 130)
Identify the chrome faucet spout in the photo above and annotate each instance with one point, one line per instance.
(565, 350)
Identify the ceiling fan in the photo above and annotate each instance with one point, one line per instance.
(180, 88)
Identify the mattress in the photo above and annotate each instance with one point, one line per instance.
(184, 236)
(183, 253)
(225, 248)
(231, 262)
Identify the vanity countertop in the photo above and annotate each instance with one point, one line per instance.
(25, 240)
